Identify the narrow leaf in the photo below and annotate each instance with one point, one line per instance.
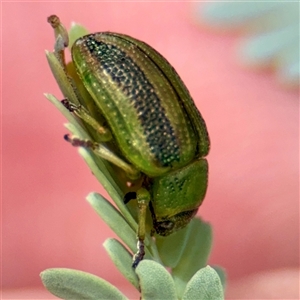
(112, 217)
(63, 81)
(98, 167)
(122, 260)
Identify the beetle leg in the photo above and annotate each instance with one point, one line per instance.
(57, 62)
(61, 38)
(105, 153)
(81, 112)
(143, 199)
(129, 196)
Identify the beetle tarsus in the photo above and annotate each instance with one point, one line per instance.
(77, 142)
(67, 138)
(140, 253)
(129, 196)
(68, 105)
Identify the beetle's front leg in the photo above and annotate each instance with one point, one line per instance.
(81, 112)
(105, 153)
(143, 199)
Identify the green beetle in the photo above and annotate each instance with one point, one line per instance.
(148, 114)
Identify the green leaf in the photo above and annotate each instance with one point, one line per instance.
(195, 254)
(112, 217)
(204, 285)
(155, 281)
(171, 247)
(100, 171)
(73, 284)
(99, 168)
(122, 260)
(270, 32)
(61, 78)
(76, 31)
(222, 274)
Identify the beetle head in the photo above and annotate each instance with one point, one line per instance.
(168, 225)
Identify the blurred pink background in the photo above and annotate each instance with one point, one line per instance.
(252, 200)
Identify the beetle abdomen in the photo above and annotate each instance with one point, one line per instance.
(138, 102)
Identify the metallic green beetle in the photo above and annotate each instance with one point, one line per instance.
(150, 117)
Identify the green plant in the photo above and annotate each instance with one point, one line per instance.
(184, 253)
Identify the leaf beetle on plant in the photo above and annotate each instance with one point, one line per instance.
(143, 120)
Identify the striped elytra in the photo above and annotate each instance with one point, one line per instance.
(145, 112)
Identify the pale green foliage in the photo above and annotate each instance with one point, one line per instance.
(73, 284)
(270, 33)
(185, 252)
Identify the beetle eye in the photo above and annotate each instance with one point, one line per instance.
(167, 225)
(164, 228)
